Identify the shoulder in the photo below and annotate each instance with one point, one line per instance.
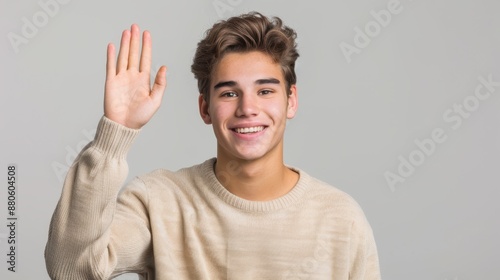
(179, 181)
(184, 175)
(335, 202)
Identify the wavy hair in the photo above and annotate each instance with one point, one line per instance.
(244, 33)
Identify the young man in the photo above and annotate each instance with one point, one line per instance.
(242, 215)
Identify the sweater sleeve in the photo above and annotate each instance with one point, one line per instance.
(94, 235)
(363, 257)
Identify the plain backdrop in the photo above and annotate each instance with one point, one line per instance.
(373, 91)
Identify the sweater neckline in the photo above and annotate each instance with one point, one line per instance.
(295, 194)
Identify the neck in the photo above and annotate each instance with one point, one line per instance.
(259, 180)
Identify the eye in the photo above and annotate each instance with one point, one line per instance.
(265, 92)
(229, 94)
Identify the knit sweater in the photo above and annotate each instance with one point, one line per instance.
(186, 225)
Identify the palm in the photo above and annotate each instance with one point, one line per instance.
(129, 99)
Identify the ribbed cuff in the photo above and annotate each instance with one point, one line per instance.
(113, 138)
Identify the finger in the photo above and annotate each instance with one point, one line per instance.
(160, 84)
(146, 53)
(124, 49)
(110, 61)
(133, 56)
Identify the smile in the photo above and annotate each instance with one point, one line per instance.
(246, 130)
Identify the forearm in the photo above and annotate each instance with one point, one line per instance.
(80, 227)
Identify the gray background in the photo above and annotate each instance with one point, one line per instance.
(355, 119)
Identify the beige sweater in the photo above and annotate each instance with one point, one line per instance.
(186, 225)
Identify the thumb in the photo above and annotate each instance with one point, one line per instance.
(160, 83)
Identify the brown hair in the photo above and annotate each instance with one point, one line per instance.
(247, 32)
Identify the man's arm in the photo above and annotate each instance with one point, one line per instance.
(364, 256)
(88, 230)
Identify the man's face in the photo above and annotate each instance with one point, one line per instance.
(248, 106)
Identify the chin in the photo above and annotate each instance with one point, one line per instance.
(246, 154)
(249, 156)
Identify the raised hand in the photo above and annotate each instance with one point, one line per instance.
(129, 98)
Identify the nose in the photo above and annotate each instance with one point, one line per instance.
(248, 105)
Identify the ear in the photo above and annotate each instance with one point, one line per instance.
(293, 102)
(203, 106)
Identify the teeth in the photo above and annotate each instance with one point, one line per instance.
(249, 129)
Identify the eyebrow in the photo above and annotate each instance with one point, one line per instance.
(258, 82)
(267, 81)
(225, 84)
